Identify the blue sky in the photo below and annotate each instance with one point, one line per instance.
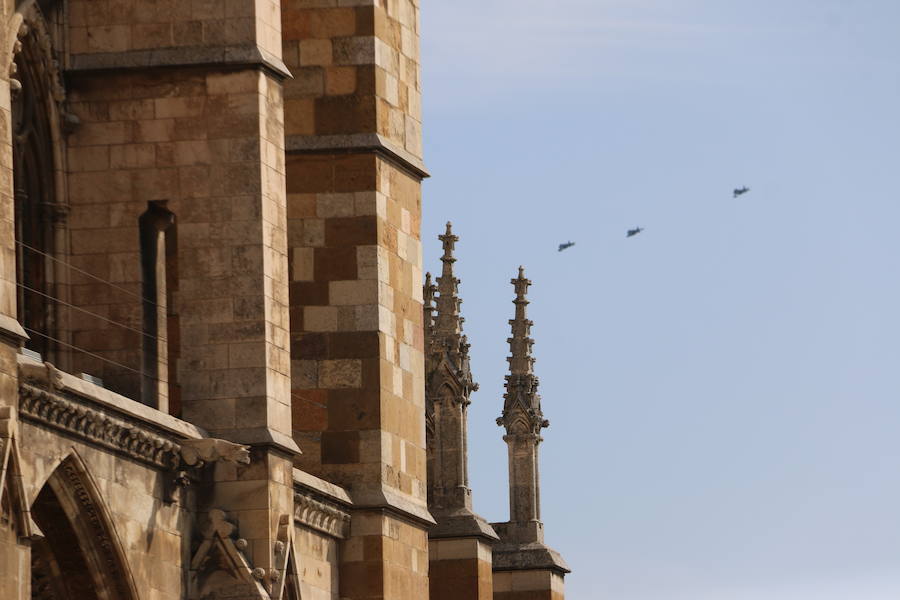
(723, 389)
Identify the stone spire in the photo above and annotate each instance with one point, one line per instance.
(444, 324)
(522, 417)
(521, 546)
(448, 324)
(448, 387)
(521, 402)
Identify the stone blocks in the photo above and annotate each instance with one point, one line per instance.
(128, 26)
(209, 144)
(356, 70)
(459, 568)
(528, 585)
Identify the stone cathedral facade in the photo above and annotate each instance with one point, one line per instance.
(219, 375)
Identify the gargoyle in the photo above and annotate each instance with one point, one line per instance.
(196, 453)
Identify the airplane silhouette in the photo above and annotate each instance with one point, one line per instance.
(634, 232)
(566, 245)
(741, 191)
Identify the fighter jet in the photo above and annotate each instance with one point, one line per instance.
(741, 191)
(634, 232)
(566, 245)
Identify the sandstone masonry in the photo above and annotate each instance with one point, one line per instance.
(219, 376)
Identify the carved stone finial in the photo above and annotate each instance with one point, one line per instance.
(444, 332)
(522, 404)
(428, 292)
(448, 323)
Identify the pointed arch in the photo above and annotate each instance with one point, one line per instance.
(80, 556)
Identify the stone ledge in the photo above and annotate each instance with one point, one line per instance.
(45, 375)
(357, 142)
(12, 330)
(264, 436)
(391, 501)
(244, 55)
(461, 524)
(330, 490)
(528, 557)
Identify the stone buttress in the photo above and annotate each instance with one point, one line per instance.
(354, 171)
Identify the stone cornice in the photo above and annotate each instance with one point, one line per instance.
(318, 514)
(355, 143)
(528, 557)
(386, 499)
(461, 524)
(47, 377)
(235, 56)
(99, 427)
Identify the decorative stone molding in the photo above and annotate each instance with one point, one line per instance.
(95, 426)
(94, 521)
(30, 19)
(247, 55)
(71, 494)
(356, 143)
(522, 416)
(286, 576)
(219, 568)
(321, 516)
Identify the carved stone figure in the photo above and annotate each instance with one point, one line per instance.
(196, 453)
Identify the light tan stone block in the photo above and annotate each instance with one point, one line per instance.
(315, 52)
(344, 373)
(320, 318)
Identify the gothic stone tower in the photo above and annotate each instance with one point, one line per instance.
(521, 560)
(211, 209)
(460, 544)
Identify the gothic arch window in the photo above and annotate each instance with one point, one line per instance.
(79, 556)
(36, 90)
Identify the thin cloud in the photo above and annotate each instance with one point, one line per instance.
(509, 41)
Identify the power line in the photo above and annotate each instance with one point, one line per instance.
(97, 356)
(313, 402)
(91, 275)
(87, 312)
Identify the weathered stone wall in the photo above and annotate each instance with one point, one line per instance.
(192, 138)
(354, 208)
(385, 557)
(357, 342)
(358, 383)
(460, 568)
(528, 585)
(14, 555)
(155, 535)
(318, 556)
(7, 211)
(356, 71)
(297, 306)
(114, 33)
